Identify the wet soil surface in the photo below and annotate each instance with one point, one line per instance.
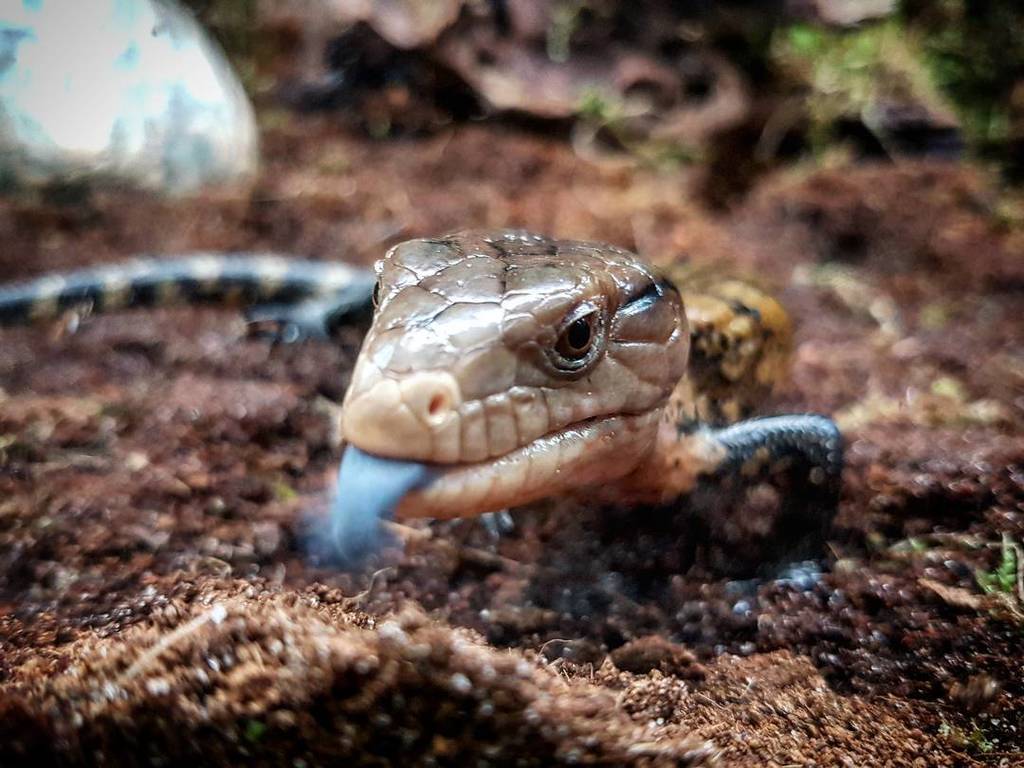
(159, 472)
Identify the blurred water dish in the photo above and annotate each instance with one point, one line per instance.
(118, 92)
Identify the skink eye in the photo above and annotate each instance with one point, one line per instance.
(579, 342)
(577, 338)
(376, 294)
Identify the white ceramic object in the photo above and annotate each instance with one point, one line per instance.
(120, 93)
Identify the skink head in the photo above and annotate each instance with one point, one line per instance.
(515, 364)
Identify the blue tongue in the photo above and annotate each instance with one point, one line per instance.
(369, 488)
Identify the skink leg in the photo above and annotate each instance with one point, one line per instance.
(801, 458)
(809, 438)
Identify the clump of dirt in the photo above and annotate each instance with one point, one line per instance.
(777, 704)
(158, 471)
(655, 652)
(271, 676)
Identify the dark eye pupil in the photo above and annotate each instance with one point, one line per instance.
(376, 294)
(576, 341)
(578, 334)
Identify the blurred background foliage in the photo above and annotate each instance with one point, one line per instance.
(873, 78)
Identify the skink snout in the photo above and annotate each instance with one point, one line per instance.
(402, 417)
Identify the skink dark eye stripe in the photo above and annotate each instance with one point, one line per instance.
(646, 298)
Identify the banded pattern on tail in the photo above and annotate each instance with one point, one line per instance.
(228, 279)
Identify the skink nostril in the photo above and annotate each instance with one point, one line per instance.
(432, 397)
(439, 406)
